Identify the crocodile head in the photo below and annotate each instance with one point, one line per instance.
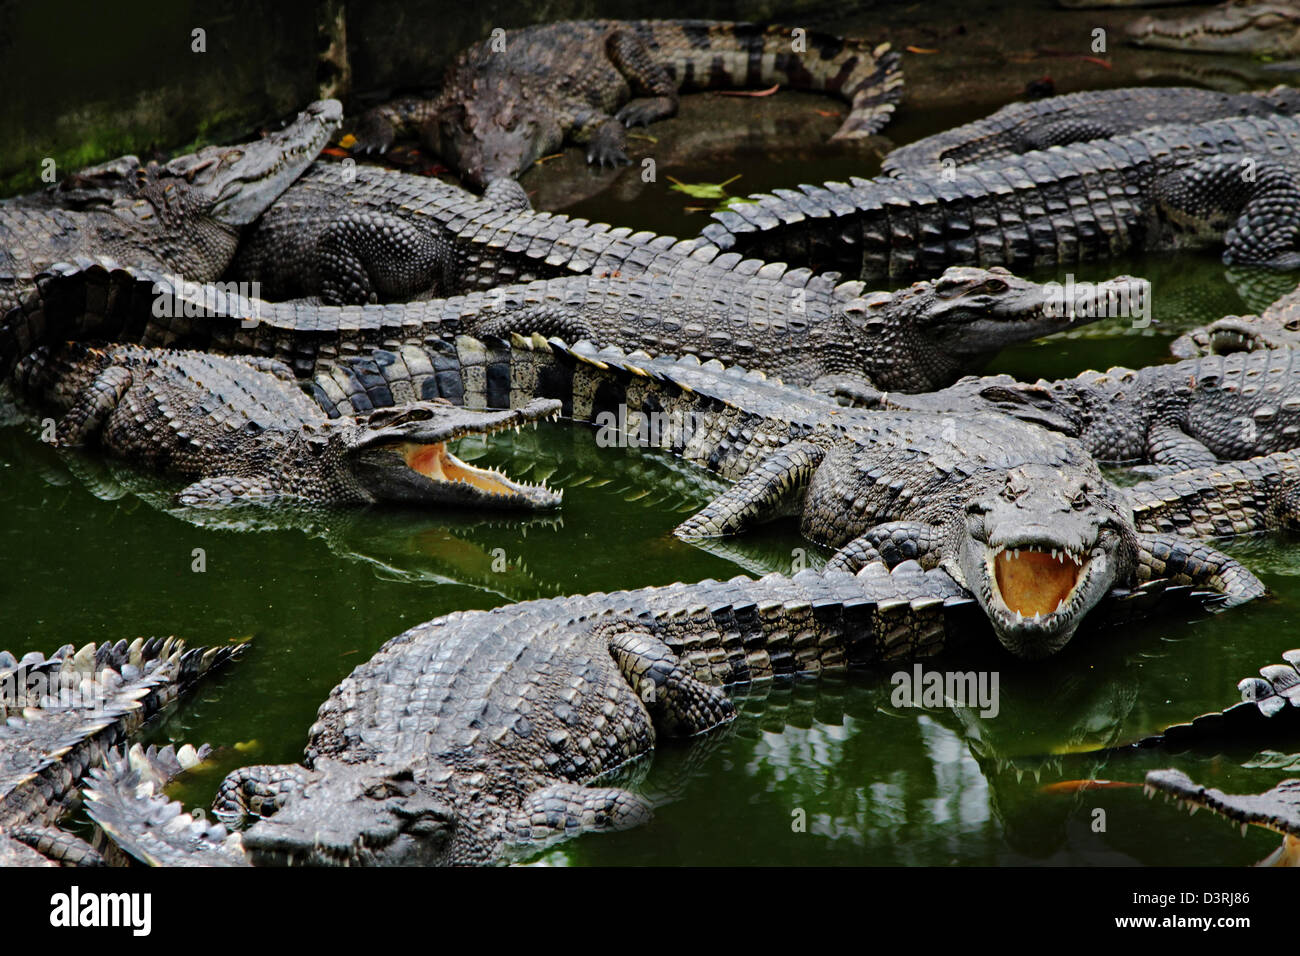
(924, 336)
(233, 185)
(1040, 552)
(1277, 809)
(486, 137)
(1241, 333)
(400, 454)
(1242, 26)
(364, 814)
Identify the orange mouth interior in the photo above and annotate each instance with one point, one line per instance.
(1034, 582)
(437, 464)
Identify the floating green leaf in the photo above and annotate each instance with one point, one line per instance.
(1272, 760)
(704, 190)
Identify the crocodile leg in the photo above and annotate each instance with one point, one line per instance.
(507, 195)
(654, 92)
(372, 257)
(225, 489)
(1066, 131)
(58, 845)
(377, 128)
(681, 705)
(852, 389)
(892, 543)
(774, 489)
(1268, 230)
(565, 810)
(605, 139)
(548, 320)
(94, 405)
(1252, 201)
(1185, 561)
(257, 791)
(1171, 448)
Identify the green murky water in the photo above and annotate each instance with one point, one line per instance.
(88, 553)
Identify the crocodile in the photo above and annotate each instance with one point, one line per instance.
(1227, 498)
(963, 491)
(512, 99)
(1187, 414)
(846, 473)
(1276, 809)
(182, 217)
(61, 715)
(1021, 128)
(1269, 710)
(1277, 327)
(242, 428)
(388, 236)
(482, 736)
(794, 326)
(1229, 182)
(1261, 27)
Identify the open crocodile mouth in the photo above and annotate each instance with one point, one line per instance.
(1226, 339)
(1181, 790)
(435, 462)
(1033, 582)
(404, 454)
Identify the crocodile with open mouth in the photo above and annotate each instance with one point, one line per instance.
(1261, 27)
(1269, 710)
(61, 715)
(1229, 183)
(517, 97)
(182, 217)
(245, 431)
(844, 472)
(953, 490)
(1277, 327)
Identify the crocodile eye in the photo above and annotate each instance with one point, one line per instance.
(995, 285)
(1080, 499)
(1292, 325)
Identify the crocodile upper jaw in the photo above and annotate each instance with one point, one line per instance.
(238, 183)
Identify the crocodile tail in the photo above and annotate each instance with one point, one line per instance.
(710, 55)
(124, 799)
(70, 708)
(1269, 710)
